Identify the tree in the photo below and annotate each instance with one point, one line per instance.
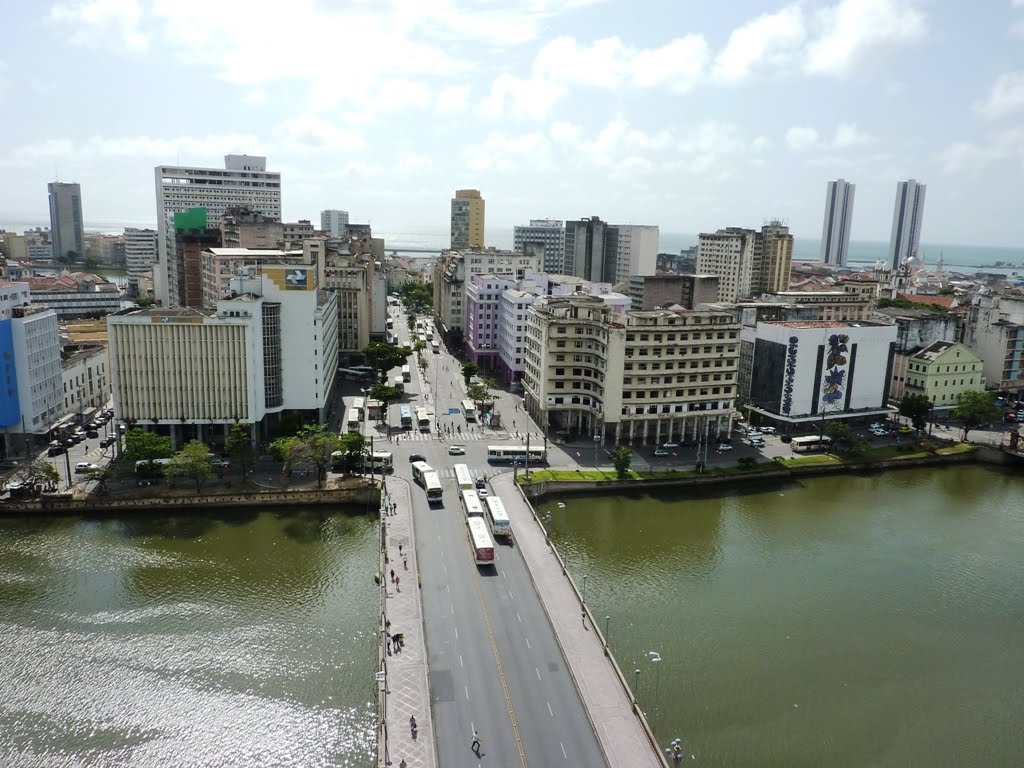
(318, 444)
(839, 431)
(410, 320)
(478, 394)
(289, 450)
(192, 461)
(417, 297)
(469, 370)
(140, 445)
(916, 407)
(621, 460)
(383, 357)
(100, 476)
(973, 409)
(386, 394)
(91, 262)
(239, 446)
(353, 446)
(38, 473)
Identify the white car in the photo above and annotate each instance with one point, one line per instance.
(660, 452)
(482, 493)
(724, 447)
(768, 430)
(667, 446)
(85, 466)
(456, 450)
(754, 433)
(757, 442)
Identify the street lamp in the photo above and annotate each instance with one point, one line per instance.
(636, 684)
(584, 589)
(655, 658)
(606, 620)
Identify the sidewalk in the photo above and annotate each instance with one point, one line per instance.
(405, 672)
(623, 739)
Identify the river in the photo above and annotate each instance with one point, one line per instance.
(845, 621)
(202, 640)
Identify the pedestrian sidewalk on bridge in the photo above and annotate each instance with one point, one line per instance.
(407, 692)
(622, 738)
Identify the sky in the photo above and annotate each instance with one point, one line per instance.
(688, 114)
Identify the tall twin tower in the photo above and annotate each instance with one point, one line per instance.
(906, 223)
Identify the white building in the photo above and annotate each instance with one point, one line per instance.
(334, 222)
(546, 234)
(193, 373)
(451, 272)
(804, 373)
(140, 254)
(85, 381)
(244, 181)
(512, 318)
(835, 231)
(906, 222)
(636, 251)
(728, 253)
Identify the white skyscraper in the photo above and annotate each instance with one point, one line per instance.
(906, 222)
(835, 232)
(244, 181)
(333, 222)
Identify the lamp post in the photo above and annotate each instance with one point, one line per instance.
(636, 684)
(655, 658)
(584, 589)
(606, 620)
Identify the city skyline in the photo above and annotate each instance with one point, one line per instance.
(554, 108)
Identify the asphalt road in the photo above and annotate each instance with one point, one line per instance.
(495, 665)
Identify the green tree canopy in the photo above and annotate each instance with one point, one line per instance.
(140, 445)
(239, 446)
(839, 431)
(975, 408)
(383, 357)
(621, 460)
(417, 297)
(38, 472)
(353, 446)
(469, 370)
(192, 461)
(319, 443)
(478, 393)
(387, 395)
(916, 407)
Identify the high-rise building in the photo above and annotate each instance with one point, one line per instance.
(835, 232)
(546, 234)
(333, 223)
(140, 252)
(467, 219)
(67, 230)
(244, 181)
(728, 253)
(636, 250)
(906, 222)
(773, 258)
(588, 252)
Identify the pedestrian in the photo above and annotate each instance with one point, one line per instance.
(403, 764)
(393, 577)
(398, 581)
(399, 549)
(387, 643)
(475, 744)
(405, 562)
(584, 617)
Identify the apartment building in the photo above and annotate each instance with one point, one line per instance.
(67, 227)
(334, 222)
(468, 214)
(219, 265)
(483, 298)
(835, 230)
(140, 254)
(85, 380)
(452, 270)
(545, 238)
(662, 291)
(729, 254)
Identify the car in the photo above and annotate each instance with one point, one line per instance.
(786, 438)
(904, 430)
(757, 442)
(660, 452)
(92, 433)
(666, 446)
(456, 450)
(480, 483)
(92, 425)
(414, 457)
(482, 493)
(69, 443)
(85, 466)
(724, 447)
(768, 430)
(106, 441)
(754, 433)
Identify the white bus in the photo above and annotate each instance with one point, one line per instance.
(379, 461)
(811, 443)
(480, 541)
(352, 420)
(435, 347)
(419, 471)
(500, 525)
(471, 503)
(400, 384)
(515, 454)
(464, 478)
(405, 414)
(422, 419)
(406, 373)
(469, 410)
(359, 404)
(432, 485)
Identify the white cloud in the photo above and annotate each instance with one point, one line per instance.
(255, 96)
(414, 162)
(312, 131)
(618, 140)
(565, 132)
(965, 157)
(208, 148)
(768, 40)
(103, 22)
(504, 152)
(850, 28)
(512, 96)
(564, 61)
(677, 65)
(453, 98)
(800, 138)
(1004, 97)
(849, 135)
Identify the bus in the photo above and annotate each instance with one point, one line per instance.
(810, 443)
(480, 541)
(419, 471)
(423, 419)
(432, 485)
(515, 454)
(352, 420)
(464, 478)
(500, 525)
(469, 410)
(471, 503)
(435, 347)
(359, 404)
(378, 461)
(406, 373)
(400, 384)
(405, 414)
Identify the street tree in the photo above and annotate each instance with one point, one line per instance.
(318, 444)
(192, 462)
(38, 473)
(140, 445)
(974, 408)
(410, 320)
(839, 431)
(239, 446)
(289, 450)
(387, 395)
(383, 357)
(100, 476)
(621, 460)
(469, 370)
(353, 446)
(916, 407)
(478, 394)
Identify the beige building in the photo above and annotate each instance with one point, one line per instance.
(943, 371)
(747, 262)
(468, 213)
(830, 305)
(219, 265)
(638, 377)
(85, 379)
(657, 291)
(773, 258)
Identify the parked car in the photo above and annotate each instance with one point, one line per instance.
(660, 452)
(768, 430)
(92, 433)
(413, 457)
(85, 466)
(106, 441)
(786, 438)
(905, 430)
(724, 447)
(669, 445)
(456, 450)
(55, 448)
(757, 443)
(754, 433)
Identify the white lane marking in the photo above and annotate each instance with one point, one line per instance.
(456, 631)
(460, 661)
(444, 568)
(537, 671)
(563, 750)
(550, 712)
(466, 688)
(519, 617)
(503, 575)
(528, 643)
(512, 594)
(452, 606)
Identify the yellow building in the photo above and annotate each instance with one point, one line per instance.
(467, 219)
(942, 371)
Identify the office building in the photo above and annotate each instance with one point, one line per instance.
(773, 258)
(648, 292)
(589, 252)
(467, 220)
(140, 253)
(67, 228)
(728, 253)
(218, 265)
(244, 181)
(636, 250)
(333, 223)
(483, 297)
(547, 239)
(835, 231)
(906, 223)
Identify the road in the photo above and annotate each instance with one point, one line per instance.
(495, 665)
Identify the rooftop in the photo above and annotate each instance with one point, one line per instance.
(826, 324)
(934, 350)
